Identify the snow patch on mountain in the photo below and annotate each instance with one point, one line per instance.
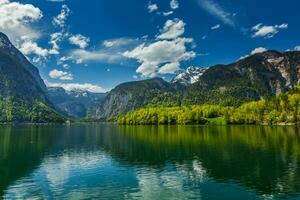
(189, 76)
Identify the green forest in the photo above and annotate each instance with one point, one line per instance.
(16, 110)
(282, 109)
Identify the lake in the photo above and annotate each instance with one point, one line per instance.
(107, 161)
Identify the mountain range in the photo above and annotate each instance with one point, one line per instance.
(258, 76)
(24, 96)
(75, 104)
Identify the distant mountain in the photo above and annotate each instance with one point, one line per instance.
(133, 95)
(188, 76)
(76, 103)
(252, 78)
(23, 94)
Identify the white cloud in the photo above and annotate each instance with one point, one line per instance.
(119, 42)
(174, 4)
(77, 86)
(16, 21)
(81, 55)
(30, 47)
(169, 68)
(168, 13)
(254, 51)
(62, 75)
(160, 53)
(215, 27)
(216, 10)
(60, 20)
(172, 29)
(297, 48)
(258, 50)
(261, 30)
(79, 40)
(66, 66)
(55, 39)
(152, 7)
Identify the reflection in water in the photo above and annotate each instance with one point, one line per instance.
(132, 162)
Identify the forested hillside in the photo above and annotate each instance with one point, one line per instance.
(259, 76)
(282, 109)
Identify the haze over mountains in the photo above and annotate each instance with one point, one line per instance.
(25, 98)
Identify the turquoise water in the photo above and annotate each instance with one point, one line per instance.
(106, 161)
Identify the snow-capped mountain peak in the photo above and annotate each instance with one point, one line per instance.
(189, 76)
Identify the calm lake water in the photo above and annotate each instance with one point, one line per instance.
(106, 161)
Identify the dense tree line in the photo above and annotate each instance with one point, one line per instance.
(12, 110)
(282, 109)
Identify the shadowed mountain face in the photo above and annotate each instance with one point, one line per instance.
(23, 94)
(76, 103)
(252, 78)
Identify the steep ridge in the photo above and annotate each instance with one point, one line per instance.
(23, 94)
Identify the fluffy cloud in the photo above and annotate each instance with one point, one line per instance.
(79, 40)
(56, 74)
(152, 7)
(81, 55)
(60, 20)
(169, 68)
(217, 11)
(261, 30)
(160, 54)
(55, 39)
(172, 29)
(30, 47)
(258, 50)
(16, 21)
(215, 27)
(77, 86)
(174, 4)
(297, 48)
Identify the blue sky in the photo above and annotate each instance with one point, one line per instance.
(97, 44)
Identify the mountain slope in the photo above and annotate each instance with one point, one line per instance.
(23, 96)
(255, 77)
(76, 103)
(133, 95)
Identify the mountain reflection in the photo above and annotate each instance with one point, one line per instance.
(129, 162)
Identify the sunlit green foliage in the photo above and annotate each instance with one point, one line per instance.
(12, 110)
(283, 109)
